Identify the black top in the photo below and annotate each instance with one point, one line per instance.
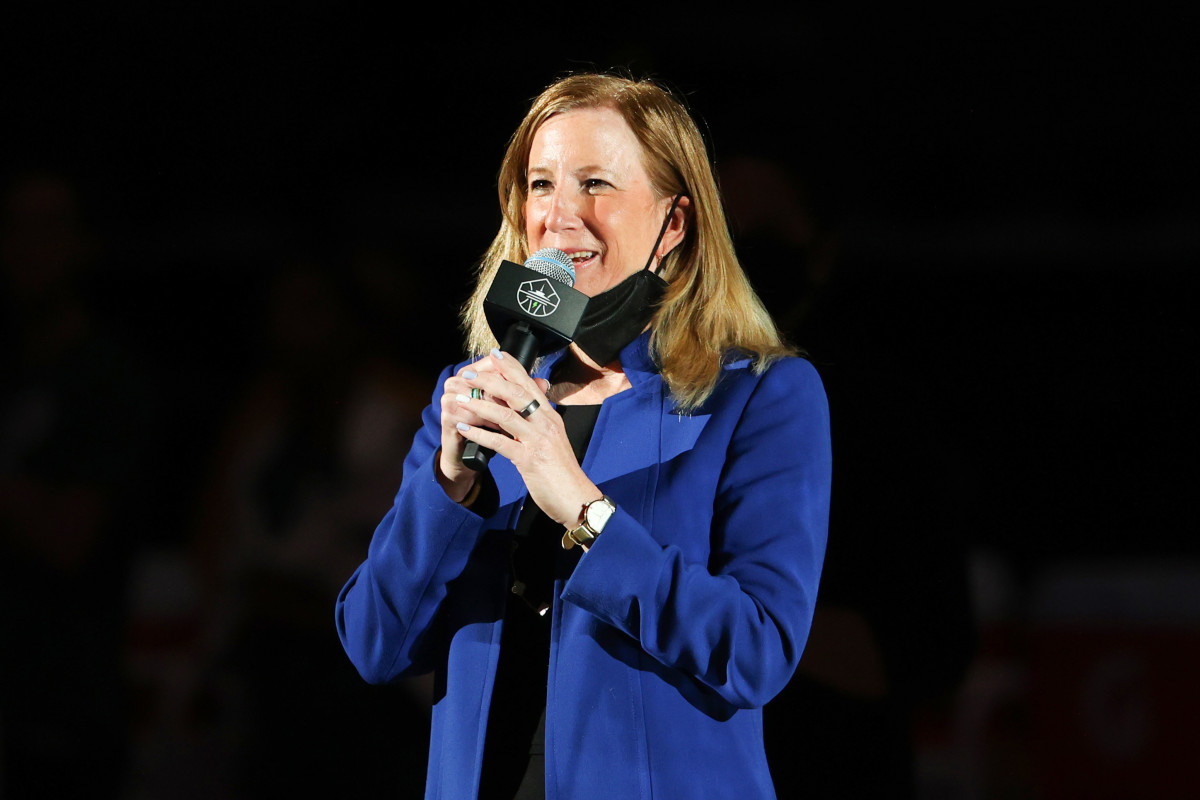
(513, 753)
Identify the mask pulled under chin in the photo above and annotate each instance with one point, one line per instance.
(616, 317)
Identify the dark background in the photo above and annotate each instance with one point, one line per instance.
(998, 216)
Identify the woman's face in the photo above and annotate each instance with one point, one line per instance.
(588, 195)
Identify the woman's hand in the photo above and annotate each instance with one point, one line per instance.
(537, 444)
(455, 477)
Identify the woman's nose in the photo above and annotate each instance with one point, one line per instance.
(563, 213)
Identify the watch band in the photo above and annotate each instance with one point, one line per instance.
(592, 519)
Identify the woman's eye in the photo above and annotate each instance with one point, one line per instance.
(592, 184)
(539, 185)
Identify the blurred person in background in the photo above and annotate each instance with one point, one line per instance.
(74, 432)
(893, 632)
(307, 455)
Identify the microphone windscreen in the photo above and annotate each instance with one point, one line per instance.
(553, 263)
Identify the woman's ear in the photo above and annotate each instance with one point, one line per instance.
(676, 228)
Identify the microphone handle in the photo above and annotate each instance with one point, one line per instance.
(521, 343)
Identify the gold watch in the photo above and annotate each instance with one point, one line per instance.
(592, 519)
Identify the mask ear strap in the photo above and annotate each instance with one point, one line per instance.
(663, 232)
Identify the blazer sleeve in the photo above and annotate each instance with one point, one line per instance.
(385, 613)
(739, 623)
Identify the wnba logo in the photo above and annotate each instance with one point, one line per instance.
(537, 298)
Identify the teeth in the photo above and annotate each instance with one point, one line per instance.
(582, 255)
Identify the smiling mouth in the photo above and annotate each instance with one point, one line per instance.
(581, 257)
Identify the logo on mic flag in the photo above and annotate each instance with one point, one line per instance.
(537, 298)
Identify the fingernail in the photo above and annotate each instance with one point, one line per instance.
(470, 374)
(496, 352)
(462, 398)
(462, 426)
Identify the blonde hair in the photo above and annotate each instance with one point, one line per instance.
(710, 308)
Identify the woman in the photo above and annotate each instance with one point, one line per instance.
(675, 440)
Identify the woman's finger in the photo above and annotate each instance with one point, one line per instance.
(505, 417)
(500, 390)
(455, 410)
(496, 442)
(511, 369)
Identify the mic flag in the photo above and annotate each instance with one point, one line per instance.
(539, 294)
(532, 310)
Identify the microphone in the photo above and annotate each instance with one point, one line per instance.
(532, 310)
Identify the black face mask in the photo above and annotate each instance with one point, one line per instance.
(616, 317)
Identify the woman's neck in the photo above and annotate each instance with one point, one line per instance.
(580, 381)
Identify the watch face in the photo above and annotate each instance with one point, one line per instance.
(598, 514)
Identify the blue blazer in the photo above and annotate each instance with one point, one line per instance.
(687, 615)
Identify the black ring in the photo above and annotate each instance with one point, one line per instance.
(529, 409)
